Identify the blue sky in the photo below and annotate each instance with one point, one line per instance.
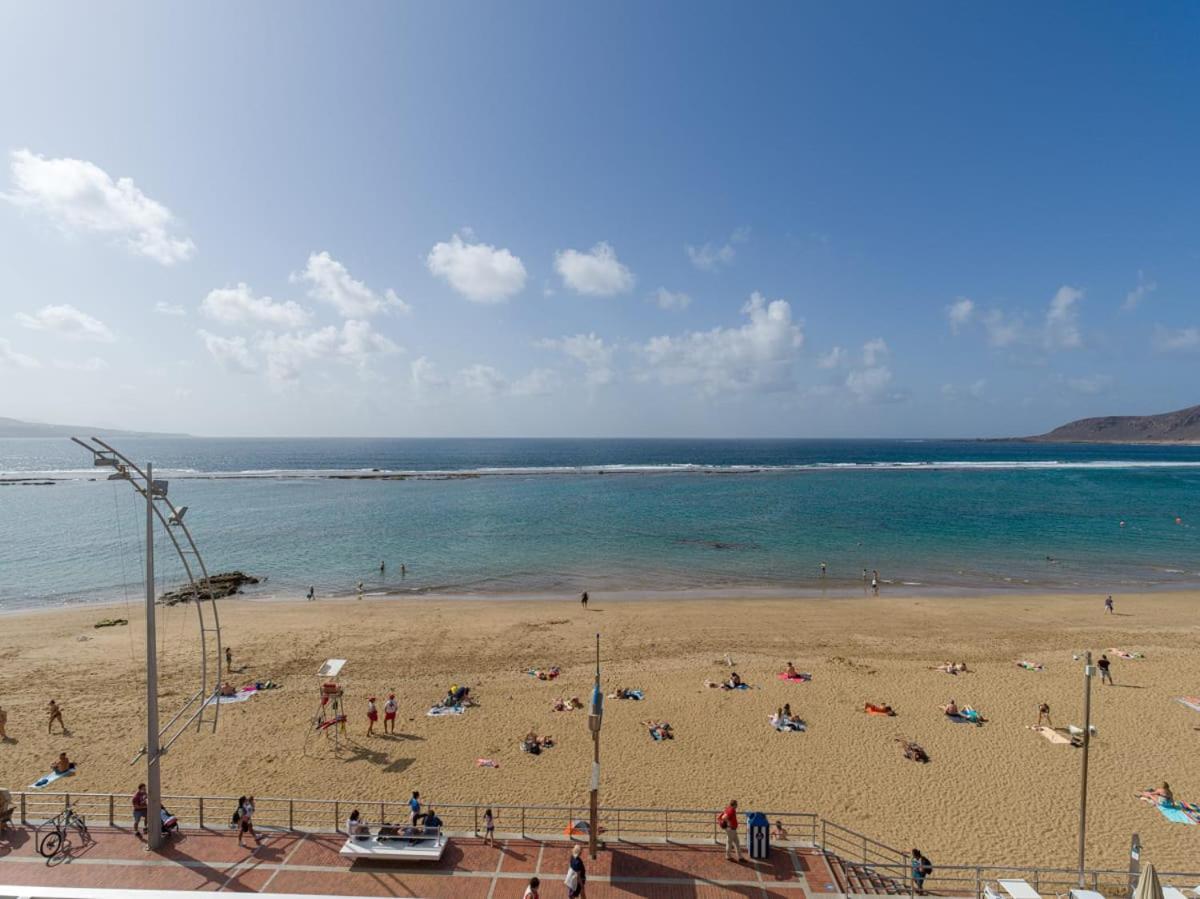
(598, 219)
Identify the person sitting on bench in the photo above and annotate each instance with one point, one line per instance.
(433, 824)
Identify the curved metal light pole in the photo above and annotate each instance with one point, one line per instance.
(158, 740)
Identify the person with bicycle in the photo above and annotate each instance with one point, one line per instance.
(140, 803)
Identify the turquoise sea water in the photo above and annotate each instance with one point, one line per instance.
(559, 516)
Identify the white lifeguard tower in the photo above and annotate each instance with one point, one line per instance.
(331, 713)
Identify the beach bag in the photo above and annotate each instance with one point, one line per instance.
(572, 881)
(721, 822)
(926, 867)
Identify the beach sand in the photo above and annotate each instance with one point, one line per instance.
(993, 794)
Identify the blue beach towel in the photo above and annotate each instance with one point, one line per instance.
(439, 710)
(1175, 815)
(633, 694)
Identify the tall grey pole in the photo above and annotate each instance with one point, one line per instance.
(1083, 780)
(153, 781)
(594, 720)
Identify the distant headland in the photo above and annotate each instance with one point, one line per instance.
(12, 427)
(1182, 426)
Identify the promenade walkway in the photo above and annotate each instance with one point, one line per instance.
(309, 863)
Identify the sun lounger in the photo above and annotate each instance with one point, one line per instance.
(1084, 894)
(404, 848)
(1174, 893)
(1018, 889)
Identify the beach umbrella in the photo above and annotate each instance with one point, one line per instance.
(1148, 886)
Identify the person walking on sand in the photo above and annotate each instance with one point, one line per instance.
(576, 874)
(55, 712)
(389, 714)
(140, 802)
(489, 828)
(311, 594)
(1044, 715)
(583, 598)
(372, 716)
(1105, 674)
(228, 658)
(728, 822)
(1108, 604)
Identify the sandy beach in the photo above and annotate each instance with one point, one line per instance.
(993, 794)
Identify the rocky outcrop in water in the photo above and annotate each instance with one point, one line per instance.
(220, 585)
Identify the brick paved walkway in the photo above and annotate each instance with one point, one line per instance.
(309, 863)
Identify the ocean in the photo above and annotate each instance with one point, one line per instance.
(554, 517)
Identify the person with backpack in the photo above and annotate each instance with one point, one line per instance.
(728, 822)
(576, 874)
(921, 868)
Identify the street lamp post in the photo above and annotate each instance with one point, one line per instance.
(594, 720)
(1088, 672)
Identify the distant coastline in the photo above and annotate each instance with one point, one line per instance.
(14, 427)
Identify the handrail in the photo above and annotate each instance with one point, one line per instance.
(553, 822)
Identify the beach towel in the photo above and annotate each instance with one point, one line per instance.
(1192, 702)
(1052, 735)
(958, 719)
(51, 778)
(1030, 666)
(885, 711)
(240, 696)
(1175, 815)
(439, 710)
(487, 763)
(973, 716)
(793, 725)
(632, 694)
(800, 677)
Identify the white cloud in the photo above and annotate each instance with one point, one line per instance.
(597, 272)
(424, 375)
(1091, 384)
(591, 351)
(79, 196)
(482, 379)
(162, 307)
(960, 313)
(667, 299)
(1181, 340)
(835, 358)
(238, 306)
(1062, 319)
(479, 271)
(287, 354)
(231, 353)
(69, 322)
(974, 390)
(330, 282)
(9, 356)
(1144, 288)
(1003, 330)
(92, 364)
(870, 383)
(760, 354)
(538, 382)
(712, 256)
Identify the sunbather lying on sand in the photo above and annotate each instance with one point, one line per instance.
(951, 667)
(625, 693)
(735, 681)
(913, 751)
(660, 730)
(545, 673)
(1160, 796)
(534, 744)
(878, 708)
(567, 705)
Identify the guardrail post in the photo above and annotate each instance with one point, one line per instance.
(618, 825)
(822, 834)
(337, 818)
(291, 814)
(111, 810)
(522, 822)
(979, 883)
(667, 826)
(200, 812)
(382, 814)
(475, 819)
(24, 820)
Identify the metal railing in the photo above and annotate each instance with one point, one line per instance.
(864, 856)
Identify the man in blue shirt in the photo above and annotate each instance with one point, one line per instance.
(414, 809)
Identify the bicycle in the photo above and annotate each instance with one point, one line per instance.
(56, 840)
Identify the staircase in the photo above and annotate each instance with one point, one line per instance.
(860, 879)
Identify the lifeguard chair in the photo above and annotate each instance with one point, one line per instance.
(331, 713)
